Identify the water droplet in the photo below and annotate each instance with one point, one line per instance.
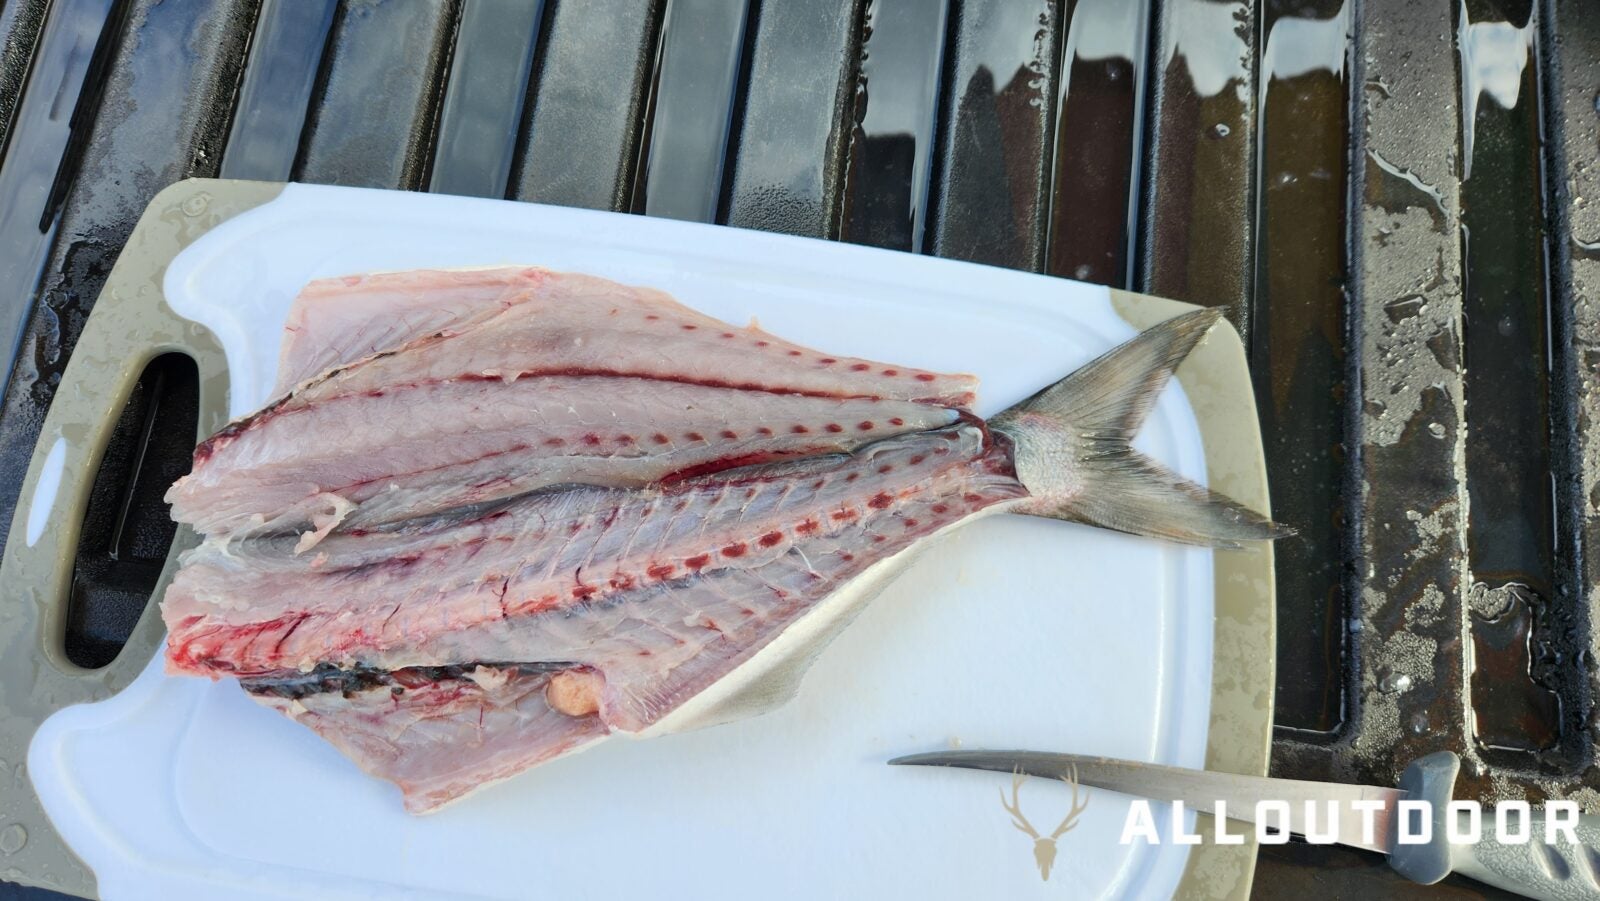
(1221, 130)
(12, 838)
(1436, 429)
(1395, 683)
(196, 205)
(1082, 272)
(1419, 723)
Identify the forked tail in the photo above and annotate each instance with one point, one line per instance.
(1073, 448)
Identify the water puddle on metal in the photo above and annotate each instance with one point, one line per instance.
(1297, 341)
(896, 104)
(1507, 340)
(988, 204)
(1098, 141)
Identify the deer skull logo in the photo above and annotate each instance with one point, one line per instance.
(1044, 847)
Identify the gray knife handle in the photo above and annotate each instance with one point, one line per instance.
(1554, 872)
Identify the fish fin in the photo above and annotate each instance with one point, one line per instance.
(1074, 452)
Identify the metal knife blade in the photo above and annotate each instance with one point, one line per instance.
(1198, 789)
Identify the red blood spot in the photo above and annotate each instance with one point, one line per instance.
(972, 498)
(762, 343)
(860, 367)
(554, 442)
(827, 361)
(941, 450)
(645, 653)
(690, 328)
(876, 539)
(694, 436)
(917, 459)
(800, 430)
(770, 539)
(807, 527)
(897, 421)
(584, 591)
(846, 514)
(622, 582)
(681, 506)
(891, 372)
(835, 427)
(745, 611)
(911, 523)
(730, 434)
(727, 334)
(698, 561)
(624, 439)
(794, 353)
(735, 550)
(661, 571)
(660, 438)
(852, 477)
(885, 469)
(924, 376)
(651, 316)
(749, 492)
(941, 508)
(591, 439)
(817, 485)
(880, 500)
(865, 425)
(376, 392)
(847, 557)
(764, 431)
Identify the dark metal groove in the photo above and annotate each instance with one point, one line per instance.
(989, 202)
(890, 154)
(787, 160)
(484, 96)
(286, 52)
(695, 89)
(20, 24)
(376, 100)
(580, 140)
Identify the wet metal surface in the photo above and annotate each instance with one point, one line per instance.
(39, 136)
(1397, 201)
(1099, 130)
(702, 42)
(789, 150)
(896, 105)
(581, 137)
(989, 203)
(484, 96)
(1199, 221)
(372, 116)
(1297, 340)
(279, 77)
(20, 21)
(162, 115)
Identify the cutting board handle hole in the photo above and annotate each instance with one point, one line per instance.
(126, 529)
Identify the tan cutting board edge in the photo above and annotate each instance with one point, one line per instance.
(132, 325)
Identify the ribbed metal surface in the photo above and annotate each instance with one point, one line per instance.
(1395, 200)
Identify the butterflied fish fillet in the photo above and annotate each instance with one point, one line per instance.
(496, 516)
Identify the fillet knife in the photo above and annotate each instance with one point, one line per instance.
(1558, 871)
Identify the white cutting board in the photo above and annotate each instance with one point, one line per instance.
(1014, 632)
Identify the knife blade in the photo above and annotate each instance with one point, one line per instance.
(1540, 866)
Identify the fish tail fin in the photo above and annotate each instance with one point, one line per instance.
(1074, 452)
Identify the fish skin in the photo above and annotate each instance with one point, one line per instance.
(472, 646)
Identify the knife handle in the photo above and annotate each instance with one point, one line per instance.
(1555, 871)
